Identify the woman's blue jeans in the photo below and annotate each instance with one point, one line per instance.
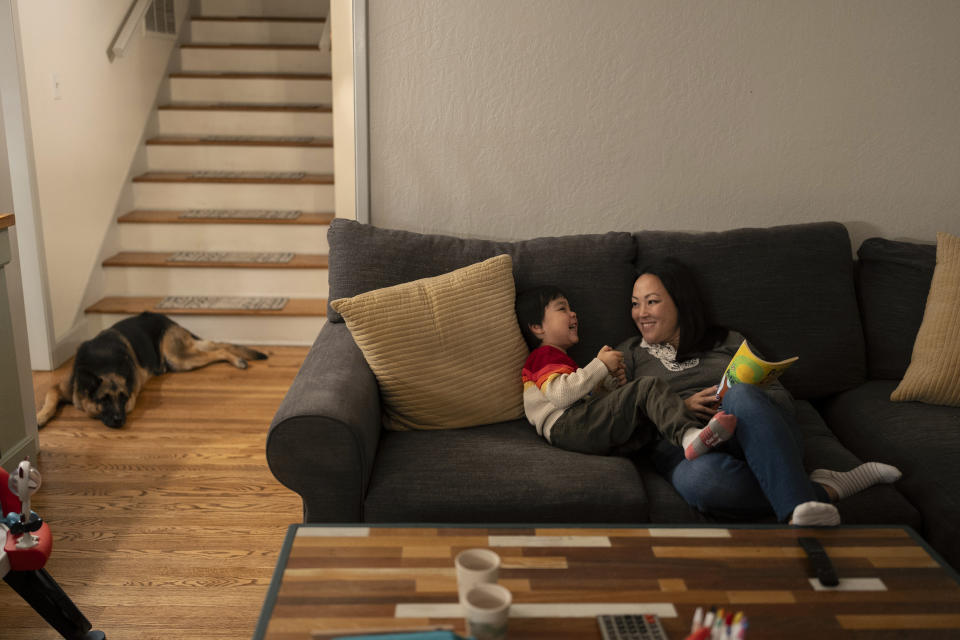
(759, 468)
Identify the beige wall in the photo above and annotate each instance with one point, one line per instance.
(517, 118)
(84, 142)
(6, 192)
(341, 33)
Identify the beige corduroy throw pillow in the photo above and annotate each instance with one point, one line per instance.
(447, 351)
(934, 372)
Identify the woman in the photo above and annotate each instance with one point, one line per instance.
(761, 466)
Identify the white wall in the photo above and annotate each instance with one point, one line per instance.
(517, 118)
(85, 141)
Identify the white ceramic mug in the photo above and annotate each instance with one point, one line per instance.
(486, 608)
(475, 566)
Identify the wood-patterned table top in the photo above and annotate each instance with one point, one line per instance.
(892, 584)
(6, 220)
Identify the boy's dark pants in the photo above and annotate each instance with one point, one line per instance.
(624, 419)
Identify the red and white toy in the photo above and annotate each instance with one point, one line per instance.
(27, 544)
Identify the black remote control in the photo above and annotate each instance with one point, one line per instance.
(820, 561)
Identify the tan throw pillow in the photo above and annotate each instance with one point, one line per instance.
(934, 372)
(446, 351)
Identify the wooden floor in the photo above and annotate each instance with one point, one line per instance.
(170, 527)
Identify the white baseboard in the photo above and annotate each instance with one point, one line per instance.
(28, 446)
(66, 347)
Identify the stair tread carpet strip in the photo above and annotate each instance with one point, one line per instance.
(231, 256)
(223, 302)
(252, 214)
(251, 175)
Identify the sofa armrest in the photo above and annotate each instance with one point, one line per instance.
(323, 438)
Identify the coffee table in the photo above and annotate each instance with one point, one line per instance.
(387, 577)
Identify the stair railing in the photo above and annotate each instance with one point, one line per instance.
(120, 42)
(324, 44)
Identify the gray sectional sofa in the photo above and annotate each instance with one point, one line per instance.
(793, 290)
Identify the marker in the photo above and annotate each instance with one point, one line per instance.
(708, 620)
(717, 633)
(741, 629)
(697, 620)
(701, 634)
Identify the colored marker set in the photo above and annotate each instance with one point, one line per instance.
(718, 625)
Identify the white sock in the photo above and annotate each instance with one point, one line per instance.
(815, 514)
(847, 483)
(689, 435)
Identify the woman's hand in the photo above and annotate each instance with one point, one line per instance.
(703, 403)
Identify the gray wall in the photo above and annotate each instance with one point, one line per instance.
(510, 119)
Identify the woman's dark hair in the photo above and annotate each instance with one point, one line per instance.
(696, 332)
(530, 306)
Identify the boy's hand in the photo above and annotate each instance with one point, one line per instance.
(611, 358)
(703, 403)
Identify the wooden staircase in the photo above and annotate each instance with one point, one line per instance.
(247, 128)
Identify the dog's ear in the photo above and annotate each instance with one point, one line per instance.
(86, 382)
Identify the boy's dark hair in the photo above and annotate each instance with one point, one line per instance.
(696, 332)
(531, 304)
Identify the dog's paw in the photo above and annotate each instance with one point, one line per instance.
(240, 364)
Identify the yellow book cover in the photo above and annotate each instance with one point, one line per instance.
(748, 367)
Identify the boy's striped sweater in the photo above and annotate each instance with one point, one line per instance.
(552, 382)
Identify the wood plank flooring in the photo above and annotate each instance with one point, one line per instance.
(170, 527)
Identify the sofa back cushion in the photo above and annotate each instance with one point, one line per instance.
(595, 271)
(789, 289)
(893, 282)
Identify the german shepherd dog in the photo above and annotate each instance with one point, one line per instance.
(110, 369)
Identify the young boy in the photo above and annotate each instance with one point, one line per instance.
(592, 409)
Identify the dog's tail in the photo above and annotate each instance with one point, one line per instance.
(251, 354)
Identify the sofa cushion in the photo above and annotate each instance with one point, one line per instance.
(934, 372)
(595, 271)
(922, 440)
(788, 289)
(893, 280)
(877, 505)
(498, 473)
(880, 504)
(446, 350)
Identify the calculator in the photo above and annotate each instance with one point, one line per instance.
(631, 627)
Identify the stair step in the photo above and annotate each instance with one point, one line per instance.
(163, 259)
(172, 216)
(255, 57)
(252, 29)
(240, 75)
(257, 19)
(135, 304)
(248, 106)
(260, 7)
(255, 46)
(247, 87)
(242, 177)
(243, 141)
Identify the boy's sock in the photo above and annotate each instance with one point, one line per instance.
(815, 514)
(719, 429)
(847, 483)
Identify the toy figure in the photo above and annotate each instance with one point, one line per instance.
(26, 546)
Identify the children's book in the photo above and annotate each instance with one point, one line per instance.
(749, 368)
